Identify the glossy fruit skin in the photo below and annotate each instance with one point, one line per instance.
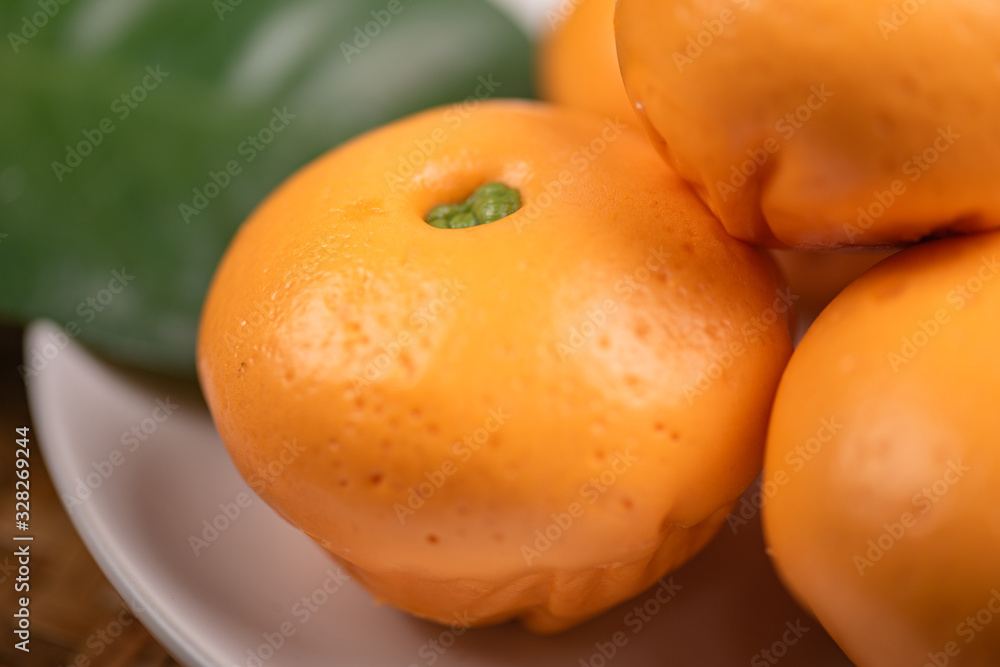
(458, 393)
(883, 462)
(224, 68)
(578, 64)
(819, 124)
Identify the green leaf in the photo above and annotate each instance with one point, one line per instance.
(138, 136)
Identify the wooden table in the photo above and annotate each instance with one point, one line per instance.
(77, 618)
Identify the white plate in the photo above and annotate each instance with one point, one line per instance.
(217, 607)
(531, 14)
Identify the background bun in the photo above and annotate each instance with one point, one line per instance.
(824, 123)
